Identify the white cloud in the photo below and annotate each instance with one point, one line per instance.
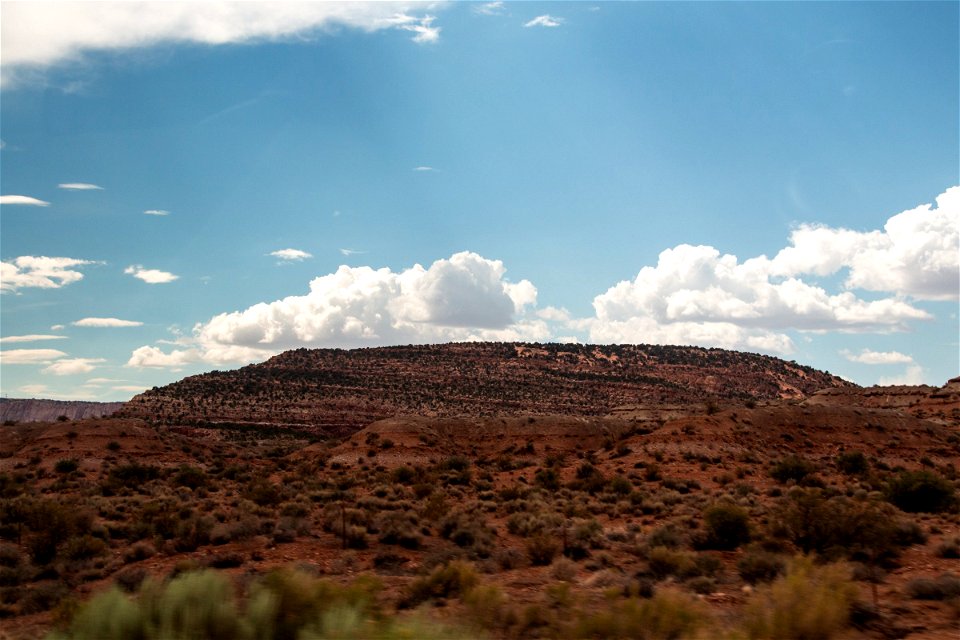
(916, 254)
(57, 327)
(150, 276)
(39, 271)
(914, 374)
(29, 356)
(133, 388)
(152, 357)
(423, 28)
(72, 366)
(41, 34)
(489, 8)
(31, 338)
(106, 322)
(23, 200)
(351, 252)
(867, 356)
(545, 20)
(464, 297)
(156, 212)
(291, 254)
(695, 295)
(96, 382)
(34, 389)
(79, 186)
(424, 168)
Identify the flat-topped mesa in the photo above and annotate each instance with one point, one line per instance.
(336, 391)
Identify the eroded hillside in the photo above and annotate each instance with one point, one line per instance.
(336, 392)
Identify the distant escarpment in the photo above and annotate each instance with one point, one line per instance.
(49, 410)
(336, 392)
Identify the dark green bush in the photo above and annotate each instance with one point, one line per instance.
(853, 463)
(757, 565)
(921, 492)
(542, 549)
(726, 527)
(944, 587)
(792, 468)
(68, 465)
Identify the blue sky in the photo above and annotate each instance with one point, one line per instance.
(198, 186)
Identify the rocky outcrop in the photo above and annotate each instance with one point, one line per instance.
(50, 410)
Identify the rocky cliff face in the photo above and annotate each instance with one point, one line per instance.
(336, 391)
(50, 410)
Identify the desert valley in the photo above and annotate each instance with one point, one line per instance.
(495, 490)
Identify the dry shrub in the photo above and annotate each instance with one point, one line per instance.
(668, 614)
(809, 602)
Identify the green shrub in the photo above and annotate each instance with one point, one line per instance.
(838, 527)
(792, 468)
(455, 579)
(921, 492)
(542, 549)
(68, 465)
(757, 565)
(809, 602)
(853, 463)
(726, 527)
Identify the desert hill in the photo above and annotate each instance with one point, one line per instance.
(337, 392)
(560, 520)
(49, 410)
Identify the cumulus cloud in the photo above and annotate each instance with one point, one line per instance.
(545, 20)
(867, 356)
(914, 374)
(23, 200)
(917, 253)
(150, 276)
(42, 34)
(152, 357)
(79, 186)
(29, 356)
(695, 295)
(156, 212)
(291, 255)
(106, 322)
(39, 271)
(465, 297)
(72, 366)
(31, 338)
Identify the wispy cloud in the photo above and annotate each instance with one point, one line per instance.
(546, 20)
(867, 356)
(23, 200)
(72, 366)
(39, 271)
(30, 356)
(106, 322)
(489, 9)
(156, 212)
(42, 37)
(351, 252)
(150, 276)
(424, 168)
(423, 28)
(31, 338)
(79, 186)
(33, 389)
(133, 388)
(95, 382)
(291, 255)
